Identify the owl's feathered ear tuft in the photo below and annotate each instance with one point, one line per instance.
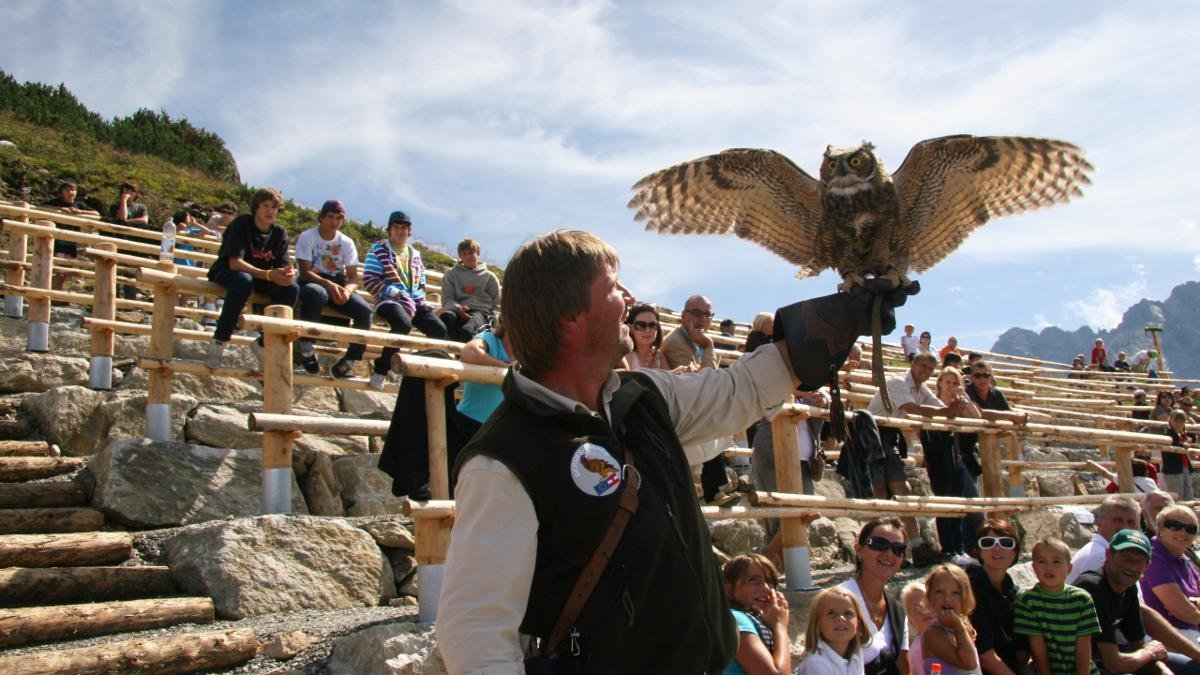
(867, 145)
(828, 150)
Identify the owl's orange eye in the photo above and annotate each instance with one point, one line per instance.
(855, 162)
(832, 164)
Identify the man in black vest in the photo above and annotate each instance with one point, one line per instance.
(538, 485)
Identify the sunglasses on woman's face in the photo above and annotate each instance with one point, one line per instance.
(1177, 526)
(880, 544)
(1002, 542)
(645, 325)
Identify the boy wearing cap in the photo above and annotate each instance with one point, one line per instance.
(470, 294)
(1114, 593)
(395, 275)
(253, 257)
(328, 263)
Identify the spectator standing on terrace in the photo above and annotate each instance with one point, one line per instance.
(991, 401)
(253, 257)
(129, 211)
(328, 262)
(68, 202)
(947, 475)
(529, 466)
(909, 342)
(395, 275)
(1177, 467)
(689, 347)
(909, 395)
(951, 346)
(470, 294)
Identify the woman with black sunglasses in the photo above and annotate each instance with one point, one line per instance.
(879, 553)
(646, 332)
(1171, 583)
(996, 546)
(1163, 404)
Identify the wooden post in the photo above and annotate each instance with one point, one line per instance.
(1012, 452)
(435, 416)
(432, 538)
(989, 457)
(277, 398)
(104, 295)
(14, 305)
(162, 343)
(42, 272)
(789, 477)
(1124, 456)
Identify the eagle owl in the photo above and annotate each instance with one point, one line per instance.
(857, 218)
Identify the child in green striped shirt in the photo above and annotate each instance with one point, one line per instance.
(1058, 618)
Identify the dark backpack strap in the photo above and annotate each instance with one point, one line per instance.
(586, 583)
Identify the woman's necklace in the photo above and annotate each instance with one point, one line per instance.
(878, 614)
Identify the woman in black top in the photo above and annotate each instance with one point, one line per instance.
(997, 547)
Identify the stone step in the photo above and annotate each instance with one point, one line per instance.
(47, 521)
(58, 622)
(28, 449)
(14, 469)
(41, 495)
(23, 586)
(59, 550)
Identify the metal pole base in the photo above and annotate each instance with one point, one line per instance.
(277, 490)
(158, 421)
(798, 565)
(38, 337)
(429, 587)
(100, 373)
(14, 306)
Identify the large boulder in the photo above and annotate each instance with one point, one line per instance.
(368, 404)
(124, 416)
(62, 411)
(388, 649)
(268, 564)
(390, 533)
(366, 491)
(323, 400)
(31, 371)
(217, 388)
(1050, 521)
(224, 425)
(148, 484)
(737, 536)
(1054, 483)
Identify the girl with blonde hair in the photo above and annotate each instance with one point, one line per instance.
(835, 636)
(950, 640)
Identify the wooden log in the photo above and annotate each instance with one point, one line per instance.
(47, 229)
(135, 262)
(298, 379)
(337, 426)
(41, 274)
(435, 369)
(989, 457)
(177, 654)
(27, 449)
(434, 508)
(432, 537)
(435, 421)
(46, 521)
(277, 391)
(58, 550)
(86, 300)
(39, 624)
(1124, 457)
(47, 495)
(18, 244)
(162, 342)
(14, 469)
(888, 506)
(789, 475)
(64, 585)
(317, 331)
(104, 306)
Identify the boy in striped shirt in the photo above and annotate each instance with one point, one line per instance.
(1058, 618)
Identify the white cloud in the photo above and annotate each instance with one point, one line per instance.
(1103, 307)
(1040, 321)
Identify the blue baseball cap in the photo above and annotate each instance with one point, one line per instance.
(399, 217)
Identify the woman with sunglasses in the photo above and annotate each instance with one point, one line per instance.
(996, 546)
(948, 476)
(879, 552)
(647, 336)
(1171, 584)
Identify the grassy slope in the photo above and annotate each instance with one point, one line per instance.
(43, 155)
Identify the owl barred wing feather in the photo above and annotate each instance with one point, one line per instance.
(759, 195)
(949, 186)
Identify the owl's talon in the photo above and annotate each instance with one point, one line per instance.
(850, 280)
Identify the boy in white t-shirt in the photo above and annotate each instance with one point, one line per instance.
(329, 276)
(909, 343)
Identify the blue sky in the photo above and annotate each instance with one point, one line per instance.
(502, 120)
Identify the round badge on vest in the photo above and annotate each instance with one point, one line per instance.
(595, 472)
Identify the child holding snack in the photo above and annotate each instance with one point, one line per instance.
(949, 640)
(761, 614)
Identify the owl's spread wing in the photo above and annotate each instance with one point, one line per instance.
(759, 195)
(949, 186)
